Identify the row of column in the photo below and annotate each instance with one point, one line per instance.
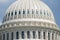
(53, 36)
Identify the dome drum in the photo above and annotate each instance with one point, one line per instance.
(28, 14)
(32, 30)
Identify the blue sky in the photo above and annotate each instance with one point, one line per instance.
(53, 4)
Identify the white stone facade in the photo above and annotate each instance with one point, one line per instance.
(56, 35)
(29, 20)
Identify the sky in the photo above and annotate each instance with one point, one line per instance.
(53, 4)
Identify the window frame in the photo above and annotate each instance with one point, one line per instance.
(7, 36)
(17, 35)
(34, 34)
(28, 34)
(39, 34)
(12, 35)
(3, 36)
(22, 35)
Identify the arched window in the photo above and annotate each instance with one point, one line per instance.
(7, 36)
(23, 11)
(43, 35)
(47, 14)
(12, 14)
(44, 12)
(39, 34)
(34, 34)
(17, 35)
(40, 11)
(19, 12)
(8, 14)
(28, 34)
(48, 36)
(22, 34)
(3, 36)
(12, 36)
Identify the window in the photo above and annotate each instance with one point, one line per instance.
(7, 36)
(22, 34)
(6, 15)
(34, 34)
(17, 35)
(15, 12)
(9, 14)
(28, 34)
(48, 36)
(3, 36)
(47, 14)
(44, 35)
(19, 12)
(40, 12)
(39, 34)
(44, 12)
(12, 14)
(12, 36)
(23, 12)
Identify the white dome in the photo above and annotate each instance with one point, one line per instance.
(29, 10)
(29, 20)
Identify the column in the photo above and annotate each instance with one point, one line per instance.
(36, 34)
(42, 34)
(2, 36)
(20, 37)
(13, 14)
(5, 36)
(57, 36)
(51, 36)
(17, 14)
(31, 35)
(25, 34)
(14, 35)
(54, 35)
(46, 35)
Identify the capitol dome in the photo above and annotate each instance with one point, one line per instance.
(29, 10)
(25, 19)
